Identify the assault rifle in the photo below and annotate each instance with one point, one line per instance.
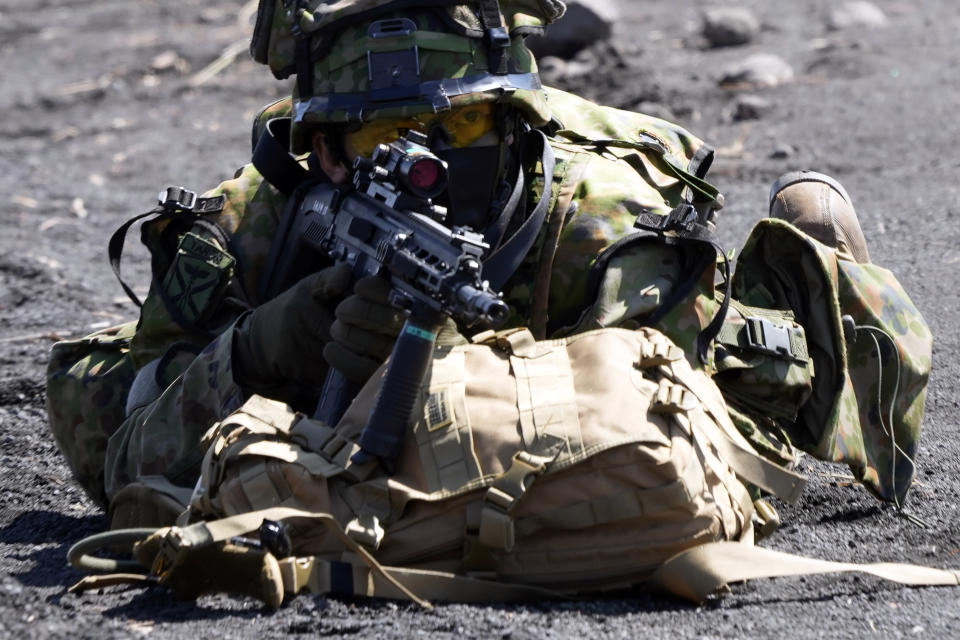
(388, 225)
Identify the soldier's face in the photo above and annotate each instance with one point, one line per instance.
(468, 139)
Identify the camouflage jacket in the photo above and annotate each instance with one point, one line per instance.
(589, 268)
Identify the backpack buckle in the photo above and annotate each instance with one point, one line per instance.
(173, 198)
(763, 335)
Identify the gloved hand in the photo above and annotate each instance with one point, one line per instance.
(366, 328)
(282, 340)
(364, 331)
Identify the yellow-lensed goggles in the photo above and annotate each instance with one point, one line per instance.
(462, 126)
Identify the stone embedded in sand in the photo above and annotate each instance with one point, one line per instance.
(729, 26)
(759, 70)
(855, 14)
(750, 107)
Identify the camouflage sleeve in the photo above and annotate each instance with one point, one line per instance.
(183, 343)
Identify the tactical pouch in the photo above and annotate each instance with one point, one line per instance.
(870, 347)
(762, 366)
(87, 383)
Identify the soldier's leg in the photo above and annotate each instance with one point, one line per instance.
(869, 344)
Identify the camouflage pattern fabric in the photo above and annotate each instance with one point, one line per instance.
(274, 44)
(595, 198)
(87, 383)
(870, 345)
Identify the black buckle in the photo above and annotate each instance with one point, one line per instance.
(681, 218)
(763, 335)
(173, 198)
(499, 37)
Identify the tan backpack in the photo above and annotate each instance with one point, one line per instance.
(536, 469)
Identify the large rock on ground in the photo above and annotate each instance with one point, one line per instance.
(729, 26)
(585, 23)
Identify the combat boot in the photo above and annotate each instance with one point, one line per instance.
(819, 206)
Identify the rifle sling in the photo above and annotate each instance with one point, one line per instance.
(502, 263)
(273, 160)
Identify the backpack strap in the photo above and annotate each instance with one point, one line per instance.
(696, 573)
(330, 577)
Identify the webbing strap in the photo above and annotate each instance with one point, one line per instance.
(683, 221)
(316, 464)
(321, 577)
(750, 466)
(546, 395)
(696, 573)
(498, 39)
(496, 515)
(731, 446)
(111, 580)
(174, 201)
(204, 533)
(444, 435)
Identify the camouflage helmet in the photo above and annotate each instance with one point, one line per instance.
(359, 60)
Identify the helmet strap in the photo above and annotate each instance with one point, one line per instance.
(301, 55)
(498, 38)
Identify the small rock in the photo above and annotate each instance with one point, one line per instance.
(78, 209)
(760, 70)
(856, 14)
(584, 23)
(750, 108)
(729, 26)
(781, 152)
(169, 61)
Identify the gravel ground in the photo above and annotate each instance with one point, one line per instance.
(103, 106)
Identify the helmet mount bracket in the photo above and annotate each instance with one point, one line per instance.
(393, 75)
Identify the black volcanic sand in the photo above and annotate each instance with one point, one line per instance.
(102, 108)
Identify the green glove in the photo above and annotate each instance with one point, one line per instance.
(366, 328)
(281, 342)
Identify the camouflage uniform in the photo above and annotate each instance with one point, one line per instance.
(589, 268)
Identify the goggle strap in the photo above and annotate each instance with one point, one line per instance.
(436, 93)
